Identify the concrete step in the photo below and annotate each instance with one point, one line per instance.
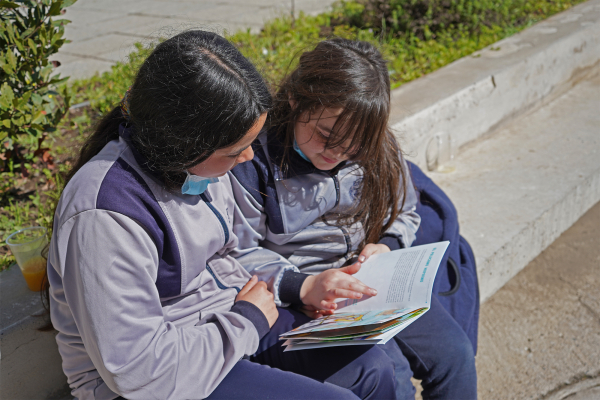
(525, 115)
(519, 189)
(472, 96)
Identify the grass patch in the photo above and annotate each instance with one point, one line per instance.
(414, 45)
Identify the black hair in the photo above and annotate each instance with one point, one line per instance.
(195, 93)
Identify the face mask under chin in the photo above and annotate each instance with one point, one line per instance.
(195, 184)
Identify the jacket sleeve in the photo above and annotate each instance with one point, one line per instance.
(403, 231)
(249, 225)
(110, 268)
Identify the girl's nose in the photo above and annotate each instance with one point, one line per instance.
(246, 155)
(338, 152)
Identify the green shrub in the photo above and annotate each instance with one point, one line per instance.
(425, 19)
(32, 102)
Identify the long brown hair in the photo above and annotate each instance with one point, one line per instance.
(351, 75)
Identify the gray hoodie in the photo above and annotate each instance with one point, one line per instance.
(280, 218)
(143, 284)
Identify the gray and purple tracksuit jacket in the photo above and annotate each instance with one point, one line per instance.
(143, 284)
(280, 218)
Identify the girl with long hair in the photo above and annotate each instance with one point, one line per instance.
(327, 188)
(146, 297)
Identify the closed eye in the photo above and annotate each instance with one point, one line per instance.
(323, 134)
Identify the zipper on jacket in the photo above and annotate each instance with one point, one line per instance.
(219, 217)
(219, 283)
(347, 240)
(336, 183)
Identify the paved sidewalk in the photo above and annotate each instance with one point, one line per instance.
(539, 335)
(103, 31)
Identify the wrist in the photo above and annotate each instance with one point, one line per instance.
(253, 313)
(306, 288)
(289, 287)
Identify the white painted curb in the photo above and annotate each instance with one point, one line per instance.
(473, 95)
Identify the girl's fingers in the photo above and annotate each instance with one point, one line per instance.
(249, 285)
(346, 294)
(350, 269)
(359, 287)
(348, 287)
(327, 305)
(367, 252)
(314, 311)
(371, 249)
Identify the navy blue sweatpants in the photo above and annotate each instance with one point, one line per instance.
(250, 380)
(309, 374)
(437, 351)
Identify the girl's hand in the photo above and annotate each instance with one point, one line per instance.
(321, 290)
(370, 249)
(256, 292)
(313, 312)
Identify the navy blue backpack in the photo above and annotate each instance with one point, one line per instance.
(455, 285)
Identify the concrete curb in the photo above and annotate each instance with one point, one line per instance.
(474, 95)
(473, 99)
(522, 187)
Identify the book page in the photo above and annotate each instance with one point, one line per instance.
(403, 279)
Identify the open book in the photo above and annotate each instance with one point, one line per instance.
(403, 280)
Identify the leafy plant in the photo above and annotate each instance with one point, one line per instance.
(32, 100)
(425, 19)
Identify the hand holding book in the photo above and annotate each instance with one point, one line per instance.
(320, 291)
(404, 281)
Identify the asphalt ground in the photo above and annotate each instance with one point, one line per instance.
(539, 335)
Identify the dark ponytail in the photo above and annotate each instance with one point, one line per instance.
(106, 130)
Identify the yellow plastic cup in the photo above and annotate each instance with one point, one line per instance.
(27, 245)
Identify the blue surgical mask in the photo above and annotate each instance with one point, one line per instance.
(195, 184)
(297, 148)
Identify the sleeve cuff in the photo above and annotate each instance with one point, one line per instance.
(393, 242)
(253, 313)
(290, 285)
